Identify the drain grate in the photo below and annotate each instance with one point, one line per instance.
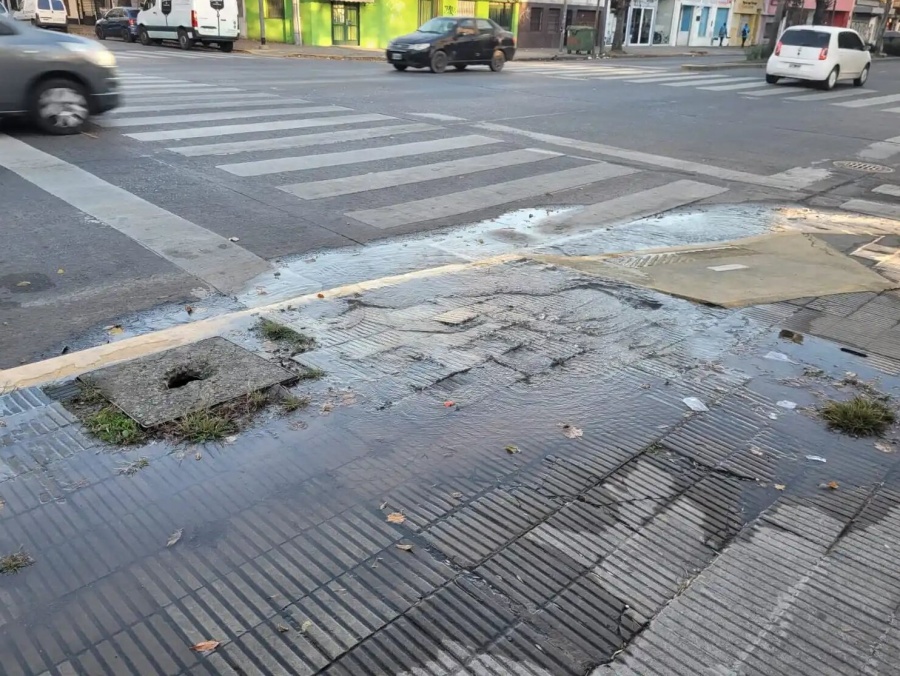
(863, 166)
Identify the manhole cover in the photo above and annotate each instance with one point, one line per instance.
(863, 166)
(168, 385)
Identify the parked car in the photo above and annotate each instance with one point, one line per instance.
(822, 54)
(119, 22)
(41, 13)
(209, 22)
(56, 80)
(458, 41)
(891, 43)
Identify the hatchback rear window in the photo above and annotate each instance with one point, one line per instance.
(58, 5)
(806, 38)
(43, 4)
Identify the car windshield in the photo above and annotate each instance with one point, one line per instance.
(806, 38)
(440, 25)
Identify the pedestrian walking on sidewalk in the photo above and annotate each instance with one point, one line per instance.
(745, 33)
(722, 34)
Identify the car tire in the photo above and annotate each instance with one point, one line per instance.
(59, 106)
(129, 38)
(400, 66)
(184, 40)
(101, 35)
(772, 79)
(226, 47)
(461, 66)
(144, 36)
(438, 62)
(828, 83)
(497, 61)
(863, 77)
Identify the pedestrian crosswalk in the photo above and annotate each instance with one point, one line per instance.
(135, 54)
(311, 151)
(885, 202)
(748, 85)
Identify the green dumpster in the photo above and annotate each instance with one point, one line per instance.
(579, 39)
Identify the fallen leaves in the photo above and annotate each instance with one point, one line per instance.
(60, 272)
(189, 309)
(512, 449)
(396, 517)
(23, 284)
(449, 403)
(831, 485)
(780, 487)
(456, 495)
(306, 626)
(205, 646)
(320, 295)
(884, 447)
(571, 432)
(405, 548)
(175, 537)
(282, 629)
(114, 329)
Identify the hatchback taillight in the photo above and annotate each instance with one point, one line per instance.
(194, 18)
(778, 49)
(130, 22)
(823, 54)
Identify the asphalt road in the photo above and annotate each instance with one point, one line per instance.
(223, 170)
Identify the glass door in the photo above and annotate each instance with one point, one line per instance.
(640, 25)
(344, 23)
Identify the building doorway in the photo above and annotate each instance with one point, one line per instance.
(685, 24)
(344, 23)
(640, 25)
(501, 13)
(428, 9)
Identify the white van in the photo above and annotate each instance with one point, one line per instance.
(189, 22)
(41, 13)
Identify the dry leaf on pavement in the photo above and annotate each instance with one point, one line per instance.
(306, 626)
(320, 295)
(512, 449)
(780, 487)
(405, 548)
(282, 628)
(395, 517)
(115, 329)
(205, 646)
(457, 495)
(189, 309)
(571, 432)
(24, 284)
(175, 537)
(60, 272)
(884, 447)
(833, 485)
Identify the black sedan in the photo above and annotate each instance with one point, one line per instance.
(457, 41)
(120, 22)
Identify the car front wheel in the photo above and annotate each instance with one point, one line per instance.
(60, 107)
(829, 82)
(100, 34)
(400, 66)
(861, 80)
(184, 40)
(438, 62)
(226, 46)
(497, 61)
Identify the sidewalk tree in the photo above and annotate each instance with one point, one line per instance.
(820, 14)
(882, 25)
(620, 9)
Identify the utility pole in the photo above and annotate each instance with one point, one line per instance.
(779, 17)
(298, 29)
(562, 25)
(262, 23)
(600, 28)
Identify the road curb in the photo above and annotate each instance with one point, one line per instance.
(722, 66)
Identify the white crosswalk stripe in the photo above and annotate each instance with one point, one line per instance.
(286, 152)
(750, 86)
(882, 209)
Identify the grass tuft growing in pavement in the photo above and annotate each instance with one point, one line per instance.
(859, 417)
(114, 427)
(311, 373)
(279, 333)
(89, 393)
(13, 563)
(291, 402)
(204, 425)
(133, 467)
(254, 401)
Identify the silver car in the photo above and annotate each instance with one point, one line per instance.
(56, 80)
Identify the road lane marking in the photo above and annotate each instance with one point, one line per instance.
(825, 96)
(303, 162)
(154, 120)
(696, 81)
(756, 84)
(418, 174)
(888, 189)
(874, 101)
(266, 100)
(196, 250)
(467, 201)
(189, 98)
(882, 209)
(302, 141)
(255, 127)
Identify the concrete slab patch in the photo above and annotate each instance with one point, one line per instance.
(164, 386)
(766, 269)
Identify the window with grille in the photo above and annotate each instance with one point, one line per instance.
(553, 16)
(537, 19)
(501, 13)
(274, 9)
(465, 8)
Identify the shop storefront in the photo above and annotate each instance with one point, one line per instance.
(749, 13)
(696, 23)
(641, 22)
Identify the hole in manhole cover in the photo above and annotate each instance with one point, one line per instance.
(863, 166)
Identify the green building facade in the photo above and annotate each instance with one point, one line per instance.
(372, 23)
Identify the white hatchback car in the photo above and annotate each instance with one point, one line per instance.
(823, 54)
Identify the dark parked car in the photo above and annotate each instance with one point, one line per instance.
(119, 22)
(55, 79)
(457, 41)
(891, 44)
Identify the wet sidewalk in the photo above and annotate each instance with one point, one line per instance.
(508, 466)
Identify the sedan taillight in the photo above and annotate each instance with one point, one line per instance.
(823, 54)
(778, 49)
(130, 22)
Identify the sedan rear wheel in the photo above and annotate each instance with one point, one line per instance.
(829, 82)
(497, 61)
(101, 35)
(861, 80)
(438, 62)
(772, 79)
(60, 107)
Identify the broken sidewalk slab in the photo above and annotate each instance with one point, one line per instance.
(753, 271)
(167, 385)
